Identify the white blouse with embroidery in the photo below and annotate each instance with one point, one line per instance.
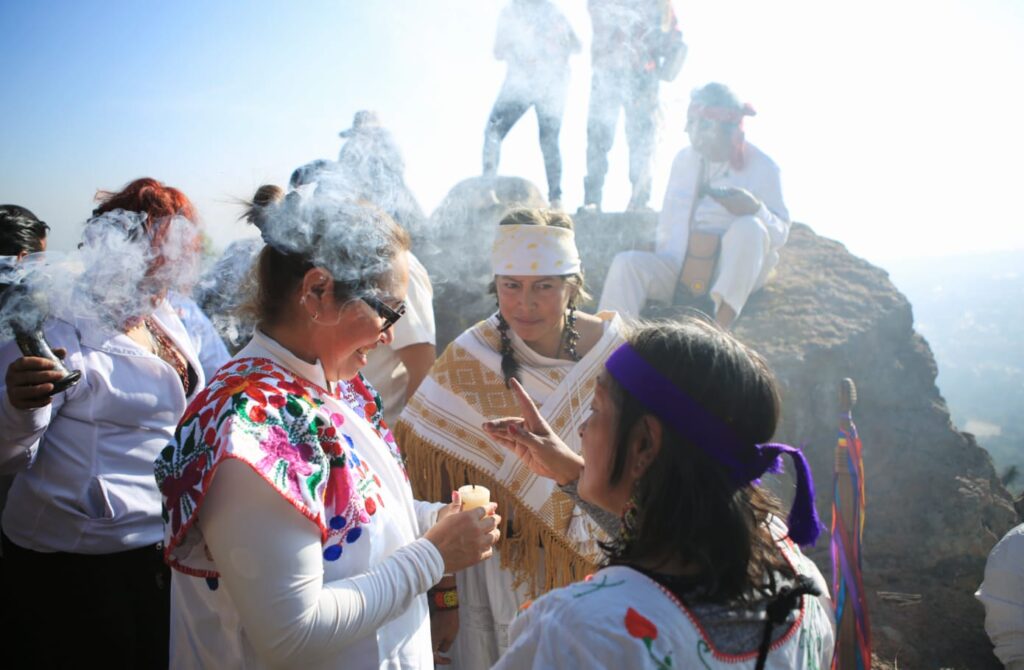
(270, 571)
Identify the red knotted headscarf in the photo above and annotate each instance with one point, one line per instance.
(723, 115)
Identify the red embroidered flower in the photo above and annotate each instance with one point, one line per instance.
(639, 626)
(251, 385)
(371, 506)
(257, 414)
(277, 401)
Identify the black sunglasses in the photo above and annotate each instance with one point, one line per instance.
(387, 312)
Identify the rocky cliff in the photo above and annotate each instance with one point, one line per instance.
(935, 506)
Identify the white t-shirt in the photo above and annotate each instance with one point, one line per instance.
(385, 369)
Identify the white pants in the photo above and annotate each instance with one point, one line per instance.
(744, 263)
(487, 605)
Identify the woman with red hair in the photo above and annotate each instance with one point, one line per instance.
(83, 525)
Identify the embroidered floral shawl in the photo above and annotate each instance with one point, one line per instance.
(284, 427)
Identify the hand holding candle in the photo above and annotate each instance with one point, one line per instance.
(464, 537)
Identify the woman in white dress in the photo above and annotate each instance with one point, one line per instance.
(539, 337)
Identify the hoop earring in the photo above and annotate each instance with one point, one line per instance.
(627, 523)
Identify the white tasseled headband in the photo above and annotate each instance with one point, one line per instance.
(538, 251)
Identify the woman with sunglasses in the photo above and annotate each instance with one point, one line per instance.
(291, 526)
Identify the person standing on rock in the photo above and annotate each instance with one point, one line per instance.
(536, 41)
(723, 189)
(636, 44)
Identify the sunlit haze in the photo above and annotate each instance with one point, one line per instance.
(894, 123)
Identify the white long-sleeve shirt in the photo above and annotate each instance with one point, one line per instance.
(759, 175)
(274, 572)
(84, 462)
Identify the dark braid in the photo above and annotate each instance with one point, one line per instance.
(509, 364)
(571, 336)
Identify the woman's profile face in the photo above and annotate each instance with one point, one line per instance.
(534, 307)
(351, 330)
(598, 435)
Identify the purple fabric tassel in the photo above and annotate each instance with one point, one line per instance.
(804, 524)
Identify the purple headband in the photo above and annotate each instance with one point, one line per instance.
(744, 462)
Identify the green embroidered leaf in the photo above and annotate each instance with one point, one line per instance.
(189, 446)
(294, 407)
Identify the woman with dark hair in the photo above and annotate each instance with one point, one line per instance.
(291, 525)
(538, 336)
(701, 570)
(21, 232)
(82, 523)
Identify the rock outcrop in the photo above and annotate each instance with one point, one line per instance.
(935, 506)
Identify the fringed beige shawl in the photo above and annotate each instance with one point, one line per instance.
(553, 542)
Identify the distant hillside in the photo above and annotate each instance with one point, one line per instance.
(971, 311)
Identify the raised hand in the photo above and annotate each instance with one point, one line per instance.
(532, 440)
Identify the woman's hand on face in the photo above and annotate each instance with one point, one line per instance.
(30, 381)
(533, 441)
(465, 538)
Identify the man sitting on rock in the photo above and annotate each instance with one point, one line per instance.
(722, 186)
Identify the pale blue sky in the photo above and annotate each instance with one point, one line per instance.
(895, 122)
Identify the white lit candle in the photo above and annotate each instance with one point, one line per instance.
(473, 496)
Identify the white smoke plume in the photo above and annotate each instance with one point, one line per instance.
(114, 276)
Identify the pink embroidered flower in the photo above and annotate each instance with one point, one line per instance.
(276, 447)
(639, 626)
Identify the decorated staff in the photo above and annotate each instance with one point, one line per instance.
(853, 631)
